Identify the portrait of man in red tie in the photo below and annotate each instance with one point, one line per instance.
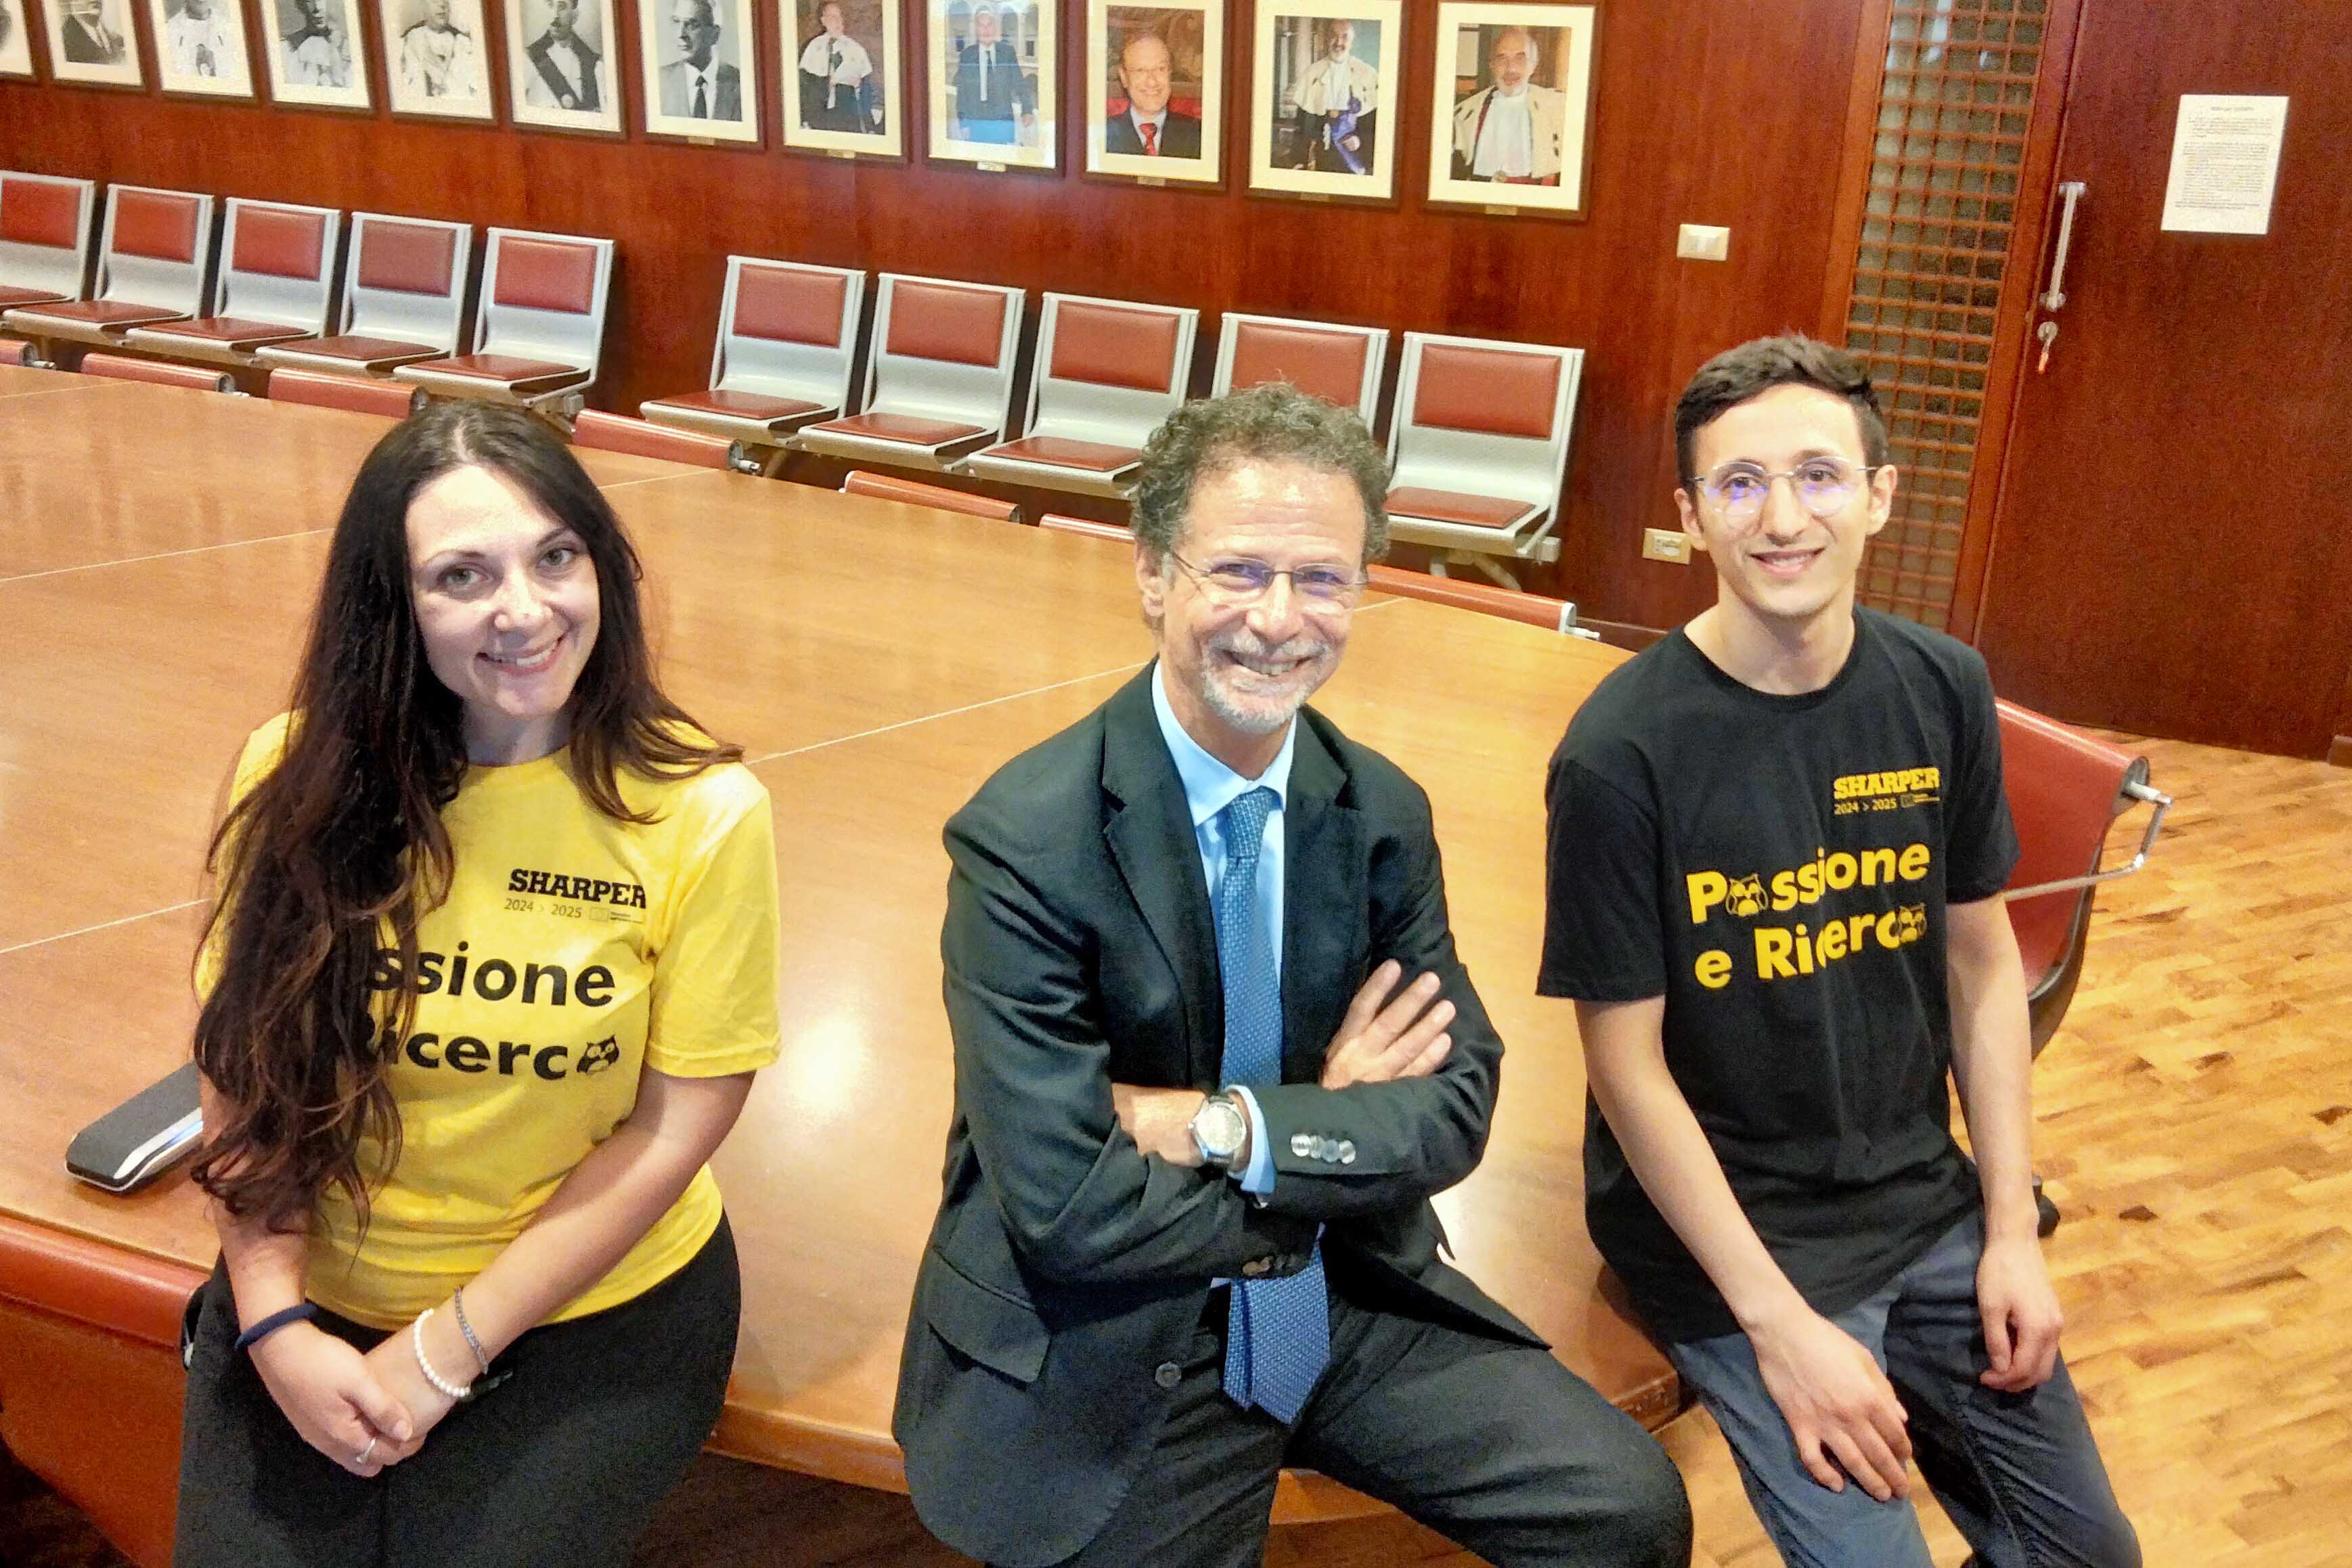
(1146, 117)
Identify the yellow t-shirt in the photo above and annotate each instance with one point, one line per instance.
(572, 951)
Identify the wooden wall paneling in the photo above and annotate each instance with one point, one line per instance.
(1707, 111)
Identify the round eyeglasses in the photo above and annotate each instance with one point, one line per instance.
(1234, 581)
(1823, 486)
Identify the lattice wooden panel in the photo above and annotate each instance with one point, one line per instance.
(1953, 109)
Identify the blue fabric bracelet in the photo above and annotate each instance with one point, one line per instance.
(273, 1322)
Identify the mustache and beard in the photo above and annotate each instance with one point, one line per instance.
(1256, 687)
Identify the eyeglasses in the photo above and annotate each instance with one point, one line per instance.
(1823, 486)
(1237, 582)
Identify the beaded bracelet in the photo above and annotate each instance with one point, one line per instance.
(416, 1342)
(458, 1301)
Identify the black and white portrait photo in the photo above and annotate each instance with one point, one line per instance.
(438, 62)
(90, 41)
(559, 65)
(16, 40)
(316, 56)
(200, 48)
(700, 69)
(840, 75)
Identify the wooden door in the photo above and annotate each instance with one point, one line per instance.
(2171, 550)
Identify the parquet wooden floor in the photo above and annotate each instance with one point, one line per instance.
(2195, 1128)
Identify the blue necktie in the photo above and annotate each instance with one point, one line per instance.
(1278, 1332)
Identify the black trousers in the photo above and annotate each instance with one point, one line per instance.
(1494, 1445)
(560, 1465)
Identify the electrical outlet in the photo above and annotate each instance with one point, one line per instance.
(1665, 544)
(1702, 242)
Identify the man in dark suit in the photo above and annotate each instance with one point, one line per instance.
(1149, 128)
(995, 101)
(89, 41)
(1214, 1052)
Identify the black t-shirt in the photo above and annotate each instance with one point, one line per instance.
(1777, 867)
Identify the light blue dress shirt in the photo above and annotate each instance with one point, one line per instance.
(1209, 788)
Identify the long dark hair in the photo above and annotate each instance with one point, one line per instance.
(341, 843)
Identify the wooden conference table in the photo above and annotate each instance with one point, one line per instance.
(159, 551)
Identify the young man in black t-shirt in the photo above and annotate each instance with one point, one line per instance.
(1777, 839)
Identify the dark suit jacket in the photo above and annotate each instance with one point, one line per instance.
(1180, 136)
(1008, 90)
(88, 46)
(1066, 1268)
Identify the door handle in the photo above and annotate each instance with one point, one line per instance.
(2055, 296)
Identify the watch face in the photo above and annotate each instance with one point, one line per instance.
(1218, 1127)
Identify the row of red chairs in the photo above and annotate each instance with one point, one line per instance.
(1478, 439)
(281, 285)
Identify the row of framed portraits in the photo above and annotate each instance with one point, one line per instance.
(1510, 106)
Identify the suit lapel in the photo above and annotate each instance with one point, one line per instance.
(1322, 899)
(1149, 831)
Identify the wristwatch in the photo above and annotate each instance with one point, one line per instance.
(1219, 1128)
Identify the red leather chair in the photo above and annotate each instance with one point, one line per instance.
(1088, 527)
(1108, 372)
(156, 372)
(47, 226)
(154, 265)
(939, 374)
(404, 297)
(618, 433)
(1339, 364)
(1510, 603)
(787, 340)
(538, 337)
(915, 493)
(16, 353)
(2065, 789)
(277, 285)
(1479, 445)
(353, 394)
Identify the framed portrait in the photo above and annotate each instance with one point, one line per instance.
(436, 59)
(1155, 91)
(841, 72)
(200, 48)
(1323, 85)
(701, 68)
(90, 41)
(560, 71)
(992, 73)
(317, 58)
(1512, 115)
(15, 39)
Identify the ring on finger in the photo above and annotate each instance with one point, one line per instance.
(366, 1453)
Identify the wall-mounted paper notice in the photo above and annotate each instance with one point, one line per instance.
(2225, 157)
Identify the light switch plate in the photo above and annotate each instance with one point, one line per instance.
(1704, 242)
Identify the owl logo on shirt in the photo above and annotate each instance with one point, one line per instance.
(598, 1055)
(1746, 897)
(1910, 923)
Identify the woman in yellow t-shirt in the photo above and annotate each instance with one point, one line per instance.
(492, 964)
